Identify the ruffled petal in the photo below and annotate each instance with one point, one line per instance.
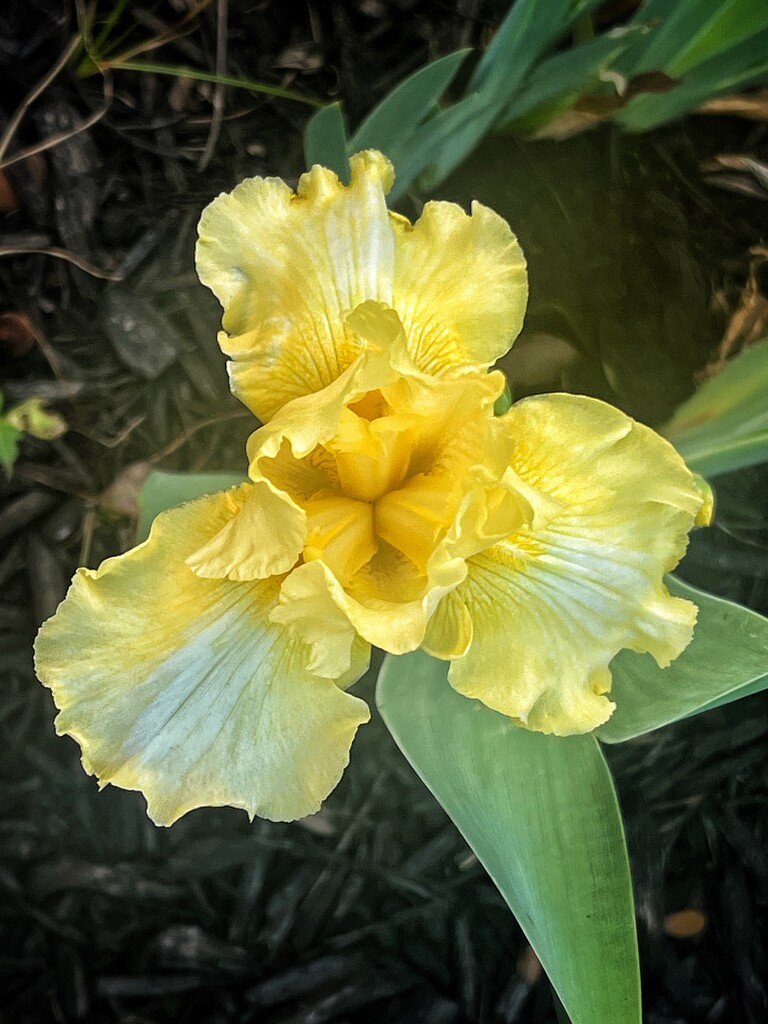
(306, 606)
(263, 538)
(460, 287)
(183, 688)
(389, 580)
(289, 269)
(554, 602)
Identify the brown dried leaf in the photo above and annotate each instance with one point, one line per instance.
(17, 333)
(753, 106)
(748, 323)
(684, 924)
(737, 172)
(121, 498)
(8, 199)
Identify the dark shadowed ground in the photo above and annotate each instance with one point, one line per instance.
(374, 910)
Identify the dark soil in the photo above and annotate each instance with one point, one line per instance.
(374, 910)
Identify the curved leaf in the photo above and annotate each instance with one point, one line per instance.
(541, 814)
(163, 489)
(727, 659)
(325, 141)
(724, 425)
(390, 124)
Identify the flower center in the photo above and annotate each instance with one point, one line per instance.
(369, 488)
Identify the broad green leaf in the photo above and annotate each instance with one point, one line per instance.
(163, 489)
(724, 426)
(529, 29)
(451, 136)
(541, 814)
(10, 437)
(756, 686)
(325, 141)
(728, 24)
(565, 76)
(676, 29)
(390, 125)
(443, 142)
(739, 67)
(727, 659)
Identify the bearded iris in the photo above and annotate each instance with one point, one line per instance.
(386, 505)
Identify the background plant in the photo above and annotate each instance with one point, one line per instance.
(546, 62)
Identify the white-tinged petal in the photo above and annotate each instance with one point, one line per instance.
(552, 604)
(183, 688)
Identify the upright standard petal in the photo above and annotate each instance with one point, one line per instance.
(555, 601)
(289, 269)
(460, 288)
(299, 277)
(185, 688)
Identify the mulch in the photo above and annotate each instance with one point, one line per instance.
(374, 909)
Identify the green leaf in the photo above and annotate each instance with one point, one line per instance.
(739, 67)
(730, 23)
(443, 141)
(504, 401)
(390, 125)
(694, 31)
(724, 426)
(541, 814)
(448, 138)
(177, 71)
(33, 418)
(163, 490)
(325, 141)
(756, 686)
(727, 659)
(528, 30)
(10, 437)
(565, 76)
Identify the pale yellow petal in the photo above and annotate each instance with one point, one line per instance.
(552, 604)
(460, 286)
(449, 631)
(264, 538)
(389, 602)
(307, 608)
(289, 269)
(388, 580)
(183, 688)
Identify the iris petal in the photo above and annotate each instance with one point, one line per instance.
(460, 287)
(554, 602)
(300, 277)
(183, 687)
(288, 270)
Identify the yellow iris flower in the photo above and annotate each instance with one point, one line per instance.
(386, 505)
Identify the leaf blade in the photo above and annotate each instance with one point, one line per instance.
(325, 141)
(724, 425)
(391, 123)
(555, 796)
(163, 489)
(726, 659)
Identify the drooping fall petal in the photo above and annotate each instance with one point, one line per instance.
(185, 688)
(554, 602)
